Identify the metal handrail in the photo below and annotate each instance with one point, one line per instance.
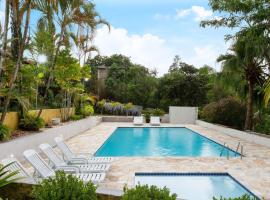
(237, 148)
(222, 149)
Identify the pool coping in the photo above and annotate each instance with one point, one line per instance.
(107, 140)
(195, 174)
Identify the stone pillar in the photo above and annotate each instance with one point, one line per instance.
(102, 74)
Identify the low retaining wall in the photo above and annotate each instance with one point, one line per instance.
(236, 133)
(18, 145)
(12, 118)
(117, 118)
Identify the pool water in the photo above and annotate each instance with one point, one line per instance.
(160, 142)
(194, 186)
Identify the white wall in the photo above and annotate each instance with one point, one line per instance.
(236, 133)
(183, 115)
(20, 144)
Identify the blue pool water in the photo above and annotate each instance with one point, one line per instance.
(160, 142)
(194, 186)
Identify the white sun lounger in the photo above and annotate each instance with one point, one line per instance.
(57, 162)
(154, 121)
(45, 171)
(72, 158)
(138, 120)
(16, 166)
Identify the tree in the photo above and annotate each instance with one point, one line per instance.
(19, 12)
(128, 82)
(249, 17)
(176, 63)
(182, 87)
(69, 14)
(245, 60)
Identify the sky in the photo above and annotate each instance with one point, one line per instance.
(152, 32)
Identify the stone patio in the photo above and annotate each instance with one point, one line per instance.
(253, 170)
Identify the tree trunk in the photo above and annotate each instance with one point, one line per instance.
(249, 114)
(4, 42)
(48, 84)
(18, 53)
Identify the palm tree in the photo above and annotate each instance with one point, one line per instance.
(19, 10)
(4, 38)
(70, 13)
(246, 61)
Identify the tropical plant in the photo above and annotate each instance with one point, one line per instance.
(31, 122)
(87, 110)
(251, 49)
(5, 132)
(147, 114)
(69, 14)
(7, 177)
(262, 122)
(143, 192)
(19, 11)
(64, 187)
(245, 60)
(158, 112)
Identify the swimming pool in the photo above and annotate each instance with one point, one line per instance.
(161, 141)
(194, 186)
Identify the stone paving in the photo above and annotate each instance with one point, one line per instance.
(253, 170)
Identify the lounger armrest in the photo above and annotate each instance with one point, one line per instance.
(78, 161)
(68, 169)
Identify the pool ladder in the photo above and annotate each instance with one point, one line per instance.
(225, 146)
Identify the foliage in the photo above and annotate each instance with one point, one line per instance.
(64, 187)
(117, 108)
(228, 111)
(262, 122)
(144, 192)
(5, 132)
(250, 50)
(148, 112)
(244, 197)
(7, 177)
(31, 122)
(183, 86)
(126, 81)
(76, 117)
(87, 110)
(158, 112)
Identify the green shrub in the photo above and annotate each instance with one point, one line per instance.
(87, 110)
(144, 192)
(64, 187)
(5, 132)
(31, 123)
(228, 111)
(262, 123)
(158, 112)
(244, 197)
(76, 117)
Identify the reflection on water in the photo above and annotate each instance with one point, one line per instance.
(196, 187)
(159, 142)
